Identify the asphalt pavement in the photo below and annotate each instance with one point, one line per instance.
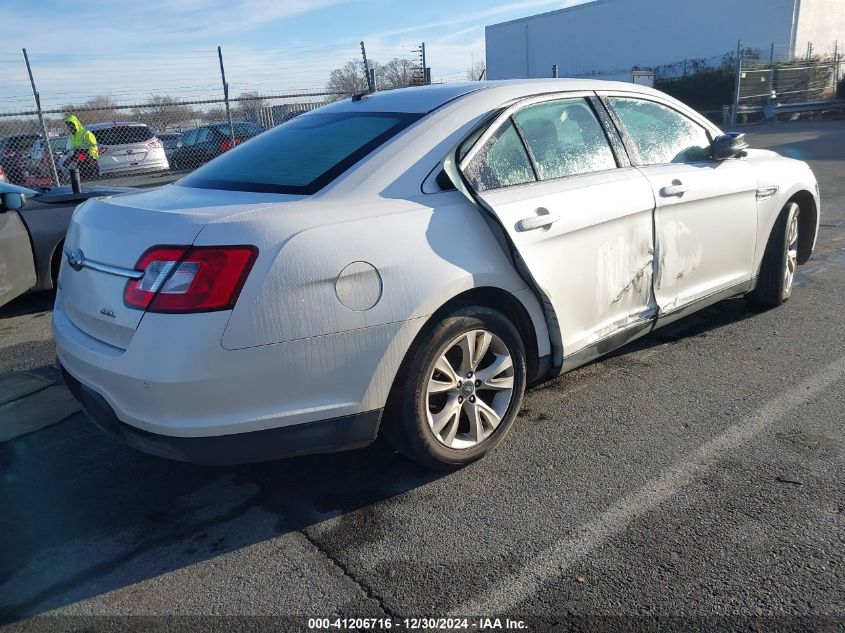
(695, 479)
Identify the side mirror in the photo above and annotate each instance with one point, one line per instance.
(11, 201)
(729, 146)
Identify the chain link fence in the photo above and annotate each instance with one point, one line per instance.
(772, 81)
(148, 119)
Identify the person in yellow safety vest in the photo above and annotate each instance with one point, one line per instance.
(82, 148)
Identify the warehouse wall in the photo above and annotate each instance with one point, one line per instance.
(821, 22)
(608, 35)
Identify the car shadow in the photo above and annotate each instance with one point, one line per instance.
(84, 515)
(29, 303)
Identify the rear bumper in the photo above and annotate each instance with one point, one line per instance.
(326, 436)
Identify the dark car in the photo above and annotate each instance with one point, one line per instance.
(201, 144)
(32, 235)
(14, 155)
(171, 141)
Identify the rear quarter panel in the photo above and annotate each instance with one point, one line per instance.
(425, 251)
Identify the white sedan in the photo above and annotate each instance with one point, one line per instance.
(407, 262)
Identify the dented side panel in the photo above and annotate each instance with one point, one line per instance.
(595, 263)
(705, 237)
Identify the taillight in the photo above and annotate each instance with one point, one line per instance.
(190, 278)
(227, 144)
(154, 144)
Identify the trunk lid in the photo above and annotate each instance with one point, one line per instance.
(115, 231)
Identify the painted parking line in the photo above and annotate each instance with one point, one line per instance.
(555, 560)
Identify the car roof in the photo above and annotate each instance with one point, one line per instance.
(424, 99)
(103, 126)
(17, 136)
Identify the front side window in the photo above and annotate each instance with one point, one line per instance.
(660, 134)
(502, 162)
(302, 155)
(565, 138)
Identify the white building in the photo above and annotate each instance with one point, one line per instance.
(609, 37)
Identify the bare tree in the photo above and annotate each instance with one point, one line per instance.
(250, 102)
(162, 112)
(399, 73)
(350, 79)
(96, 110)
(477, 70)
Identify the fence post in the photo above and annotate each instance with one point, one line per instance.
(426, 69)
(226, 96)
(735, 110)
(370, 78)
(46, 142)
(554, 71)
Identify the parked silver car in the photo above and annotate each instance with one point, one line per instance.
(125, 148)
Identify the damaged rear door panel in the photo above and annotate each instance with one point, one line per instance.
(581, 224)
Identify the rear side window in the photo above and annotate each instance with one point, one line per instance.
(660, 134)
(18, 143)
(302, 155)
(502, 162)
(565, 138)
(123, 134)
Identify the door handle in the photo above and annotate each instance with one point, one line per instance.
(676, 189)
(537, 222)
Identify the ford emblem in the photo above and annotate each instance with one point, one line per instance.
(76, 259)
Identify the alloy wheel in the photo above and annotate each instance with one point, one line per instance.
(791, 249)
(470, 389)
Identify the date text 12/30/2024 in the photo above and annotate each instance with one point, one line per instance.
(416, 624)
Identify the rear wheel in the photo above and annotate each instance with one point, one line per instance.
(780, 261)
(460, 390)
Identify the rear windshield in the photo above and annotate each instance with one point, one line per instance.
(302, 155)
(123, 134)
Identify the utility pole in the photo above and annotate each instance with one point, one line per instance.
(48, 151)
(226, 95)
(371, 83)
(735, 110)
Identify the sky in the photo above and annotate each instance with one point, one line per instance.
(135, 49)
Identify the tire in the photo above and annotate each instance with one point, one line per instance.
(439, 417)
(780, 261)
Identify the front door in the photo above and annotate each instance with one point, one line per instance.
(579, 217)
(706, 215)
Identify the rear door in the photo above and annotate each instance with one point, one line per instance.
(579, 216)
(17, 268)
(706, 215)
